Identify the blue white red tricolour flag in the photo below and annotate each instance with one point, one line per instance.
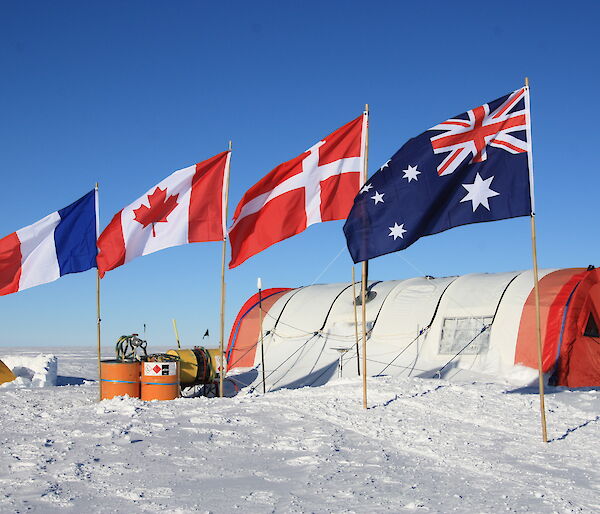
(472, 168)
(61, 243)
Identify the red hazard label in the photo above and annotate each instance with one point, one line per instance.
(153, 369)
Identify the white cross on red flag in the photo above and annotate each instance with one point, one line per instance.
(318, 185)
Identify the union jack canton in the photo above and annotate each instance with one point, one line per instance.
(472, 168)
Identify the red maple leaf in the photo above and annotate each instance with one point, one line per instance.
(160, 208)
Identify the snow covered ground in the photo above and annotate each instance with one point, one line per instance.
(31, 371)
(422, 446)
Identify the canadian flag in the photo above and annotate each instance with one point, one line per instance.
(186, 207)
(318, 185)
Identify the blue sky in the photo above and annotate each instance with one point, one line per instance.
(124, 93)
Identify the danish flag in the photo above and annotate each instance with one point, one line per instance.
(469, 137)
(318, 185)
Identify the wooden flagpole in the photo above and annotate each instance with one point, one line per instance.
(365, 271)
(365, 268)
(262, 346)
(223, 285)
(176, 334)
(355, 322)
(536, 279)
(98, 320)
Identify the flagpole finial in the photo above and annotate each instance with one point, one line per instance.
(526, 81)
(230, 146)
(366, 107)
(96, 186)
(259, 283)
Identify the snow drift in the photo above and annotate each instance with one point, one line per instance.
(38, 371)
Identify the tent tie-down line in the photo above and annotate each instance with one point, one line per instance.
(391, 363)
(280, 364)
(339, 337)
(436, 374)
(301, 347)
(319, 333)
(273, 332)
(316, 334)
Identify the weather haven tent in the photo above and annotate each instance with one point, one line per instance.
(473, 326)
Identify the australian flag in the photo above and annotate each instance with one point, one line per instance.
(468, 169)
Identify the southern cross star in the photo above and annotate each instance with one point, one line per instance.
(411, 173)
(479, 192)
(378, 197)
(365, 188)
(386, 165)
(397, 231)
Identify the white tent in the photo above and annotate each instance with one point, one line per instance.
(473, 326)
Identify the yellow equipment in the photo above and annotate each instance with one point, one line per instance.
(197, 366)
(6, 375)
(216, 359)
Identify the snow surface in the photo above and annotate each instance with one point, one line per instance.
(423, 446)
(37, 371)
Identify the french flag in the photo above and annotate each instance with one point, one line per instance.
(61, 243)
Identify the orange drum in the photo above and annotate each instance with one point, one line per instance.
(160, 380)
(119, 378)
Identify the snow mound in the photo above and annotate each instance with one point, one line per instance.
(37, 371)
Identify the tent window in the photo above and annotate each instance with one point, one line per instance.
(591, 328)
(460, 332)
